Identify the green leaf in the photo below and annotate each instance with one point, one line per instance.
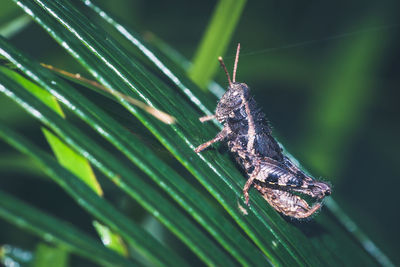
(72, 161)
(110, 239)
(15, 26)
(50, 256)
(44, 96)
(348, 90)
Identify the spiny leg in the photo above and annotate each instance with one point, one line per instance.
(207, 118)
(220, 136)
(309, 211)
(249, 182)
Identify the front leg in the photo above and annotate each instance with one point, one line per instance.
(207, 118)
(220, 136)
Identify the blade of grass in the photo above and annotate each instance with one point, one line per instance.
(15, 26)
(215, 41)
(37, 91)
(72, 161)
(341, 96)
(50, 256)
(110, 239)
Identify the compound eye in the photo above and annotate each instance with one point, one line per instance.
(233, 99)
(246, 90)
(328, 192)
(237, 101)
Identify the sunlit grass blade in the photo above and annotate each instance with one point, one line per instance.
(46, 255)
(111, 239)
(34, 89)
(15, 26)
(215, 40)
(72, 161)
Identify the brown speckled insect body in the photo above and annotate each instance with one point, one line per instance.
(248, 136)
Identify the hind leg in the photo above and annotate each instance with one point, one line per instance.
(287, 203)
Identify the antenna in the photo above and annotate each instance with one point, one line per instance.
(236, 62)
(221, 61)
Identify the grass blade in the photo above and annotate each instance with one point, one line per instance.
(215, 41)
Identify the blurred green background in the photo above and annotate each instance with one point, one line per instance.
(325, 73)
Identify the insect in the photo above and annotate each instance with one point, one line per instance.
(249, 138)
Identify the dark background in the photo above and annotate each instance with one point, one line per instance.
(325, 73)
